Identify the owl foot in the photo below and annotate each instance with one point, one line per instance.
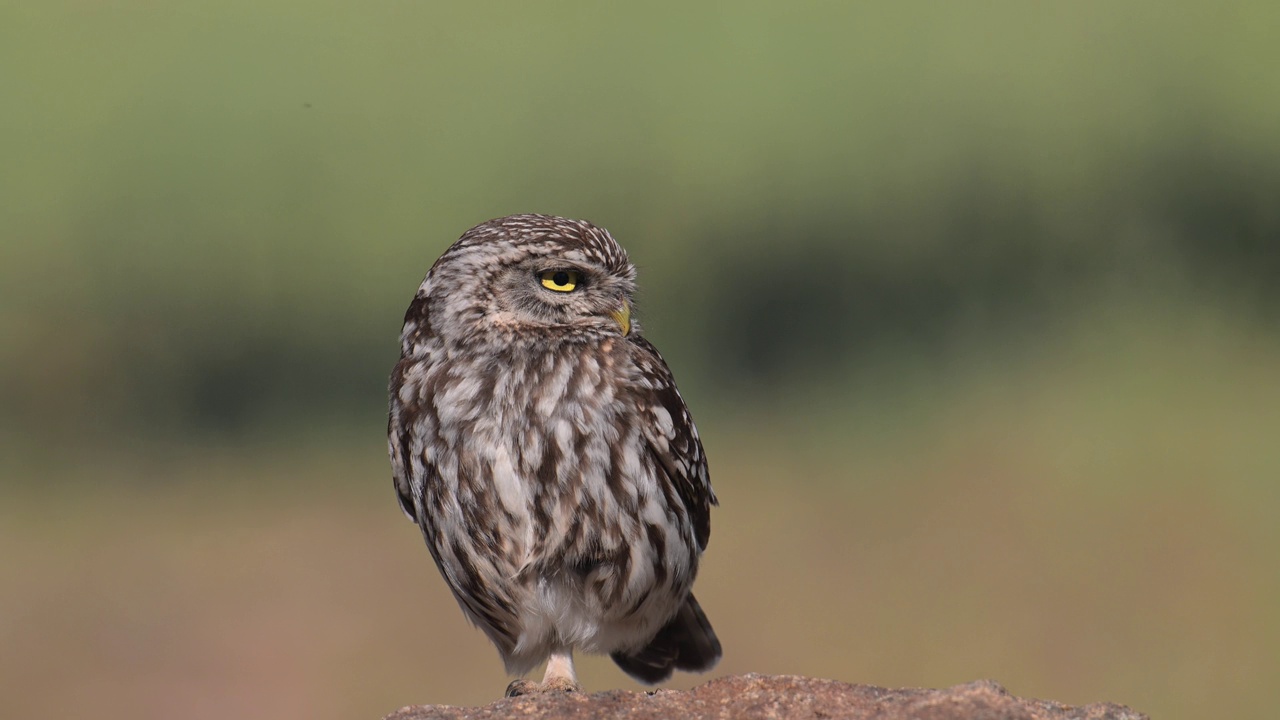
(559, 677)
(560, 684)
(519, 688)
(522, 687)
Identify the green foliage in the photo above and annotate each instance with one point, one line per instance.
(216, 213)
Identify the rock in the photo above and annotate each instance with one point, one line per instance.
(780, 696)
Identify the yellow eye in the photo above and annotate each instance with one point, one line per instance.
(559, 280)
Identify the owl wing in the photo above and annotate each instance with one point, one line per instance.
(673, 440)
(487, 606)
(398, 445)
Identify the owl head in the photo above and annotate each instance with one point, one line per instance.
(525, 274)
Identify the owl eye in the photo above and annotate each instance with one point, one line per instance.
(560, 280)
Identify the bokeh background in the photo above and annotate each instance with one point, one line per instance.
(975, 303)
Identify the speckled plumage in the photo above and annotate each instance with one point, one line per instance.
(547, 456)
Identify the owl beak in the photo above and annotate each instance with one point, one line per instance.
(623, 317)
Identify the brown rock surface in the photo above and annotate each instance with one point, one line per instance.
(781, 696)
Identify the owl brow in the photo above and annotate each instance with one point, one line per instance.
(558, 265)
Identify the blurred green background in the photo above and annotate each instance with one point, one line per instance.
(975, 303)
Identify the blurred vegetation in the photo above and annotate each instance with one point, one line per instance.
(215, 213)
(989, 291)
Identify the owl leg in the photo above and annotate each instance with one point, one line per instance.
(558, 678)
(559, 675)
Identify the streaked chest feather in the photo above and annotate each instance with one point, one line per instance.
(551, 443)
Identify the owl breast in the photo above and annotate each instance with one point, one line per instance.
(544, 502)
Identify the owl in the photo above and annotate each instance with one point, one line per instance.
(540, 444)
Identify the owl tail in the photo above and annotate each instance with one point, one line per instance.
(687, 642)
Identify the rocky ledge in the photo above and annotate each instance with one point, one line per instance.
(781, 696)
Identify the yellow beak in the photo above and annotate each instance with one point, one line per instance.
(623, 317)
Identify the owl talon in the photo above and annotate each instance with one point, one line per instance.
(518, 688)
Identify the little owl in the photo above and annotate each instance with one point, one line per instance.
(539, 442)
